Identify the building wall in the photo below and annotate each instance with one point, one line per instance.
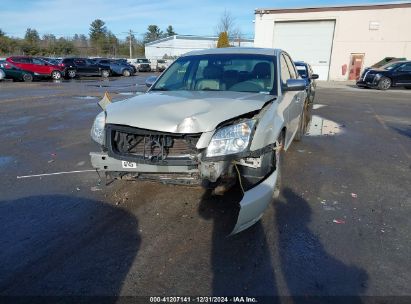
(352, 34)
(180, 46)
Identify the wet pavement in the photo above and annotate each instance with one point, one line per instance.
(340, 227)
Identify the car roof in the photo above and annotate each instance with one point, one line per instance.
(235, 50)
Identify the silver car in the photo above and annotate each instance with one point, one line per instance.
(215, 118)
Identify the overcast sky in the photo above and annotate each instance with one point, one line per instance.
(191, 17)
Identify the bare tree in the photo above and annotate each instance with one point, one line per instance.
(227, 24)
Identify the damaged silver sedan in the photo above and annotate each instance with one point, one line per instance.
(214, 118)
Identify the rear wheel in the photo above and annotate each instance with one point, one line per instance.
(279, 159)
(384, 83)
(408, 88)
(301, 127)
(126, 73)
(105, 73)
(56, 75)
(27, 77)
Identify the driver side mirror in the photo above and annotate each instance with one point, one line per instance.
(150, 81)
(314, 76)
(294, 85)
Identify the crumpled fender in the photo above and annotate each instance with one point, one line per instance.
(254, 203)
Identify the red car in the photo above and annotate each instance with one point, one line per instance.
(38, 66)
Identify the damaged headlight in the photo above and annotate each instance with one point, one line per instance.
(231, 139)
(97, 131)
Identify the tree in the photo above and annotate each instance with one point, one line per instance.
(2, 34)
(223, 40)
(153, 33)
(98, 30)
(32, 36)
(227, 24)
(170, 31)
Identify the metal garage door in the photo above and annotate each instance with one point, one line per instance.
(309, 41)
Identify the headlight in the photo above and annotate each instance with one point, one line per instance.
(377, 76)
(231, 139)
(97, 131)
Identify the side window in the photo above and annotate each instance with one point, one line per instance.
(285, 74)
(291, 67)
(406, 67)
(37, 61)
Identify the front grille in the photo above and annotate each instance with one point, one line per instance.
(153, 147)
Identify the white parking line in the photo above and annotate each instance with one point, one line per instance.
(55, 173)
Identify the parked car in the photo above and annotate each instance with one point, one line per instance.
(84, 67)
(214, 117)
(2, 74)
(142, 65)
(306, 72)
(13, 72)
(38, 66)
(117, 67)
(393, 74)
(124, 61)
(159, 65)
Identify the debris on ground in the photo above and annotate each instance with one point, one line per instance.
(338, 221)
(353, 195)
(95, 188)
(51, 161)
(78, 189)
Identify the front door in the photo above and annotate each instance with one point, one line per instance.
(355, 66)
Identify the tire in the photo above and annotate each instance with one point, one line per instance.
(27, 77)
(301, 126)
(71, 74)
(384, 83)
(126, 73)
(408, 88)
(279, 160)
(105, 73)
(56, 75)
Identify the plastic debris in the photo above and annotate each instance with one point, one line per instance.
(338, 221)
(78, 189)
(95, 188)
(50, 161)
(53, 154)
(353, 195)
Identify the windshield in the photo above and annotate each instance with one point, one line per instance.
(302, 70)
(220, 72)
(392, 65)
(142, 61)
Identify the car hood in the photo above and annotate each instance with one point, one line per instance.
(183, 111)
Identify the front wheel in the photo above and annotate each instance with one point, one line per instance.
(126, 73)
(27, 77)
(384, 83)
(71, 73)
(105, 73)
(56, 75)
(279, 159)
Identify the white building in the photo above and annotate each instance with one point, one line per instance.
(179, 44)
(338, 41)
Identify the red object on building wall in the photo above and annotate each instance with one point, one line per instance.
(343, 69)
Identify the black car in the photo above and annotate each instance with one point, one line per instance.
(393, 74)
(84, 67)
(306, 73)
(15, 73)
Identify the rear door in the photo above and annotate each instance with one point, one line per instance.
(403, 74)
(23, 63)
(39, 66)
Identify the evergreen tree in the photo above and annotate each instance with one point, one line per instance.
(223, 40)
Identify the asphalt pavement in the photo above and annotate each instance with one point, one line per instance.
(340, 227)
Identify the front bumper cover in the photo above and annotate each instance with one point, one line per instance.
(252, 205)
